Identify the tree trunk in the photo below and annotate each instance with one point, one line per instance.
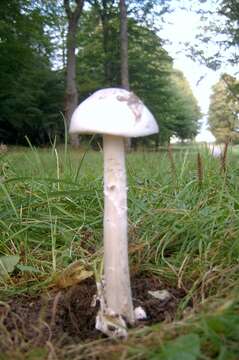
(71, 95)
(106, 37)
(124, 46)
(124, 66)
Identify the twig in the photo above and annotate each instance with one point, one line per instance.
(224, 158)
(172, 164)
(199, 169)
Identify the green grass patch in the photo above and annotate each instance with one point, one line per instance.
(186, 232)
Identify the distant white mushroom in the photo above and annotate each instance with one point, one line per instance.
(115, 113)
(215, 150)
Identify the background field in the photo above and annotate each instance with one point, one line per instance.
(183, 229)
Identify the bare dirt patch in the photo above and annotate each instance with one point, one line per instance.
(66, 316)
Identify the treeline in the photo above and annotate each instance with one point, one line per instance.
(33, 62)
(223, 114)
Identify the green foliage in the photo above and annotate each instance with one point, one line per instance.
(224, 109)
(165, 91)
(183, 108)
(147, 11)
(30, 92)
(229, 9)
(218, 36)
(150, 69)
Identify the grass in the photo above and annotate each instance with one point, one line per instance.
(181, 228)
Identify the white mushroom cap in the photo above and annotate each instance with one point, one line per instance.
(113, 111)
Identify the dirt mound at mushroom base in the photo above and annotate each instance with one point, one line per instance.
(65, 317)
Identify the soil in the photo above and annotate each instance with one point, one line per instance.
(66, 316)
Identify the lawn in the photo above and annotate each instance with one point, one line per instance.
(183, 238)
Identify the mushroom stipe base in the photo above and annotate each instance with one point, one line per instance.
(65, 316)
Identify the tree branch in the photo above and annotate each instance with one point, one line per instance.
(78, 9)
(67, 8)
(229, 86)
(77, 12)
(92, 2)
(97, 5)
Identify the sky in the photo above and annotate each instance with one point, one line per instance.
(182, 26)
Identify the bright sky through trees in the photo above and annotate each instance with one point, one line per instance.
(182, 26)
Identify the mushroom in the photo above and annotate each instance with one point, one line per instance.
(215, 150)
(116, 114)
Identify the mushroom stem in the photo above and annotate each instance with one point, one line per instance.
(116, 268)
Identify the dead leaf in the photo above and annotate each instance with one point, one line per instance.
(73, 274)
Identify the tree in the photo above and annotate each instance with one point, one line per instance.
(184, 108)
(224, 109)
(30, 91)
(218, 39)
(164, 90)
(124, 46)
(142, 11)
(229, 9)
(149, 13)
(73, 12)
(107, 12)
(150, 69)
